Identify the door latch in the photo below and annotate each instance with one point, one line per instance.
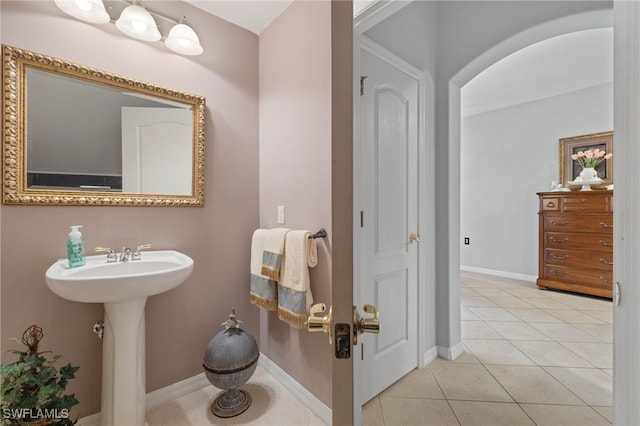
(365, 325)
(343, 345)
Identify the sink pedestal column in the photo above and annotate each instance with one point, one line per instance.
(123, 364)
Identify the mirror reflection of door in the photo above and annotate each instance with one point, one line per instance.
(156, 150)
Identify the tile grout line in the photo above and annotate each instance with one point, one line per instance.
(562, 321)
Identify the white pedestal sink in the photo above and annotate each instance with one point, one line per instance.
(123, 288)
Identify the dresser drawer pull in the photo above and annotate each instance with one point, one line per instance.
(555, 240)
(606, 262)
(604, 243)
(551, 204)
(553, 222)
(563, 257)
(606, 280)
(606, 225)
(559, 274)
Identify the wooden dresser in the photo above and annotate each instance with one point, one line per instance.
(576, 241)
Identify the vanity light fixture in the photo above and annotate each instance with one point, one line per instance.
(136, 22)
(182, 39)
(92, 11)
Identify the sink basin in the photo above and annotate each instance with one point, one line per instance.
(102, 282)
(123, 288)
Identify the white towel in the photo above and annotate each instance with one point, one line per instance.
(264, 292)
(273, 251)
(294, 288)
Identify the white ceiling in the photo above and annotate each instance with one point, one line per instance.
(253, 15)
(551, 67)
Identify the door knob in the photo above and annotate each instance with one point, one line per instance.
(414, 238)
(318, 323)
(365, 325)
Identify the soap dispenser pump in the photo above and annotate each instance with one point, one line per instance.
(75, 248)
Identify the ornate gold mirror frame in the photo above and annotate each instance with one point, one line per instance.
(15, 189)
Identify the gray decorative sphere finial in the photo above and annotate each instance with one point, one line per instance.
(232, 322)
(230, 360)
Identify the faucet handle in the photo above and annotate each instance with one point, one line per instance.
(111, 254)
(136, 253)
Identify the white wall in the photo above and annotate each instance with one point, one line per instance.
(509, 154)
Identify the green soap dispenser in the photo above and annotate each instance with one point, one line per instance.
(75, 248)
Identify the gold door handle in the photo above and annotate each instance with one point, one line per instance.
(414, 238)
(317, 323)
(365, 325)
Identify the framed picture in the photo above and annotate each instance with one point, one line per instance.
(570, 169)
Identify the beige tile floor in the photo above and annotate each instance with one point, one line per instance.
(531, 357)
(271, 405)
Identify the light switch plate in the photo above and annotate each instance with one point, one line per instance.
(280, 215)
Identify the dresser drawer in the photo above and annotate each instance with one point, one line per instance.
(574, 240)
(596, 278)
(601, 260)
(602, 223)
(586, 204)
(551, 204)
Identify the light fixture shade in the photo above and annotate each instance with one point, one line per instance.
(86, 10)
(136, 22)
(182, 39)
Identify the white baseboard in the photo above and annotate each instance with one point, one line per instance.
(195, 383)
(316, 406)
(92, 420)
(176, 390)
(450, 353)
(160, 396)
(505, 274)
(430, 355)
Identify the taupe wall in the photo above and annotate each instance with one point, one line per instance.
(295, 169)
(181, 322)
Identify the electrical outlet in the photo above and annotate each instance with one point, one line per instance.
(466, 241)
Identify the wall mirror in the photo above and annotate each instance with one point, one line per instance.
(73, 135)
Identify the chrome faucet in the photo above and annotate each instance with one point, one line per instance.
(111, 254)
(136, 255)
(125, 255)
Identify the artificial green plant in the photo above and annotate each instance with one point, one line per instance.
(32, 389)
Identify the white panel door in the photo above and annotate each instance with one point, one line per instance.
(157, 150)
(389, 260)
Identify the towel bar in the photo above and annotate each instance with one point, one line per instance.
(320, 234)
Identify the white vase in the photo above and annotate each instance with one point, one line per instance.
(588, 174)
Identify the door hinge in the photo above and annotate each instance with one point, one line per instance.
(361, 219)
(362, 79)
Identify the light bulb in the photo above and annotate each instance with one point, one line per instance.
(139, 26)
